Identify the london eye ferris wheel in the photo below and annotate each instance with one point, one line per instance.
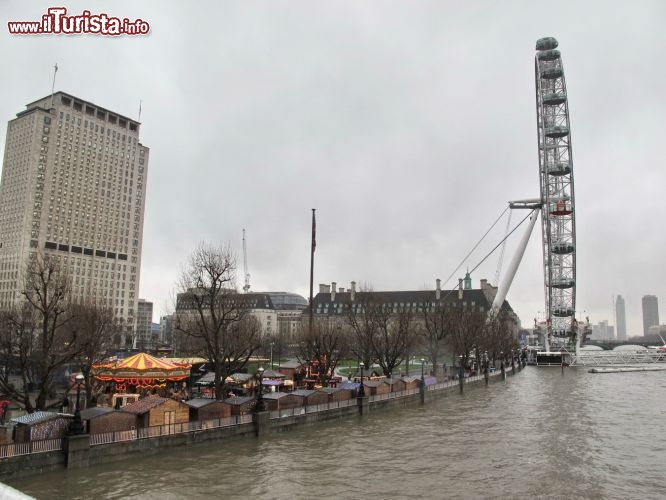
(558, 215)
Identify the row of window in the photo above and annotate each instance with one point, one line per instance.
(83, 250)
(100, 114)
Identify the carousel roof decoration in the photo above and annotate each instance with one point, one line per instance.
(142, 370)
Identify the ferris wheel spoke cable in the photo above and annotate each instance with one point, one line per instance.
(475, 246)
(493, 250)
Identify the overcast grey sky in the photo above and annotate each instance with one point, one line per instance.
(407, 124)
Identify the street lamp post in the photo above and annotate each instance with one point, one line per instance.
(76, 427)
(260, 406)
(502, 365)
(485, 366)
(271, 355)
(422, 372)
(361, 389)
(461, 373)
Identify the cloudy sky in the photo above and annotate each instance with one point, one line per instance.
(408, 125)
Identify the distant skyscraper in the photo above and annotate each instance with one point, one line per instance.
(73, 187)
(620, 318)
(650, 312)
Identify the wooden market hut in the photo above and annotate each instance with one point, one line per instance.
(208, 409)
(338, 393)
(40, 425)
(241, 405)
(350, 386)
(155, 410)
(276, 401)
(310, 397)
(396, 384)
(106, 419)
(411, 382)
(375, 387)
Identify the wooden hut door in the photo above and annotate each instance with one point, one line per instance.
(170, 420)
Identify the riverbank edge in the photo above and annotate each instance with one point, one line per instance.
(38, 463)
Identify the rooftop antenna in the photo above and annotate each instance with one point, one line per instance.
(246, 288)
(139, 110)
(55, 70)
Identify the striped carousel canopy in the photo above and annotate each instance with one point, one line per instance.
(142, 366)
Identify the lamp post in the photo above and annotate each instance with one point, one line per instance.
(485, 366)
(260, 406)
(422, 372)
(361, 389)
(76, 427)
(461, 373)
(502, 365)
(272, 354)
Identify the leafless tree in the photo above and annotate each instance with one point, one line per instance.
(36, 337)
(436, 324)
(394, 335)
(468, 326)
(499, 339)
(95, 327)
(360, 316)
(323, 348)
(213, 315)
(18, 352)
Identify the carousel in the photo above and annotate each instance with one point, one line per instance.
(141, 371)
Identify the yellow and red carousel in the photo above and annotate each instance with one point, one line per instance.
(141, 371)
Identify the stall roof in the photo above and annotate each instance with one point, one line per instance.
(38, 416)
(96, 411)
(200, 402)
(303, 392)
(239, 400)
(144, 405)
(276, 395)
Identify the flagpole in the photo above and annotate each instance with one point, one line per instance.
(55, 70)
(314, 244)
(139, 120)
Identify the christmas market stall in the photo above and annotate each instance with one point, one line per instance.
(142, 372)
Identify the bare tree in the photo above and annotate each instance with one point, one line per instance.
(467, 329)
(360, 316)
(213, 315)
(18, 353)
(395, 335)
(437, 321)
(499, 339)
(95, 327)
(323, 348)
(35, 336)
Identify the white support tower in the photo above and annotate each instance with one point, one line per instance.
(246, 287)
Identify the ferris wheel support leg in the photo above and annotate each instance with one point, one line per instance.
(513, 267)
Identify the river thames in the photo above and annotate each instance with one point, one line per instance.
(539, 434)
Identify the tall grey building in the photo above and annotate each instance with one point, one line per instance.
(73, 186)
(650, 312)
(620, 318)
(144, 323)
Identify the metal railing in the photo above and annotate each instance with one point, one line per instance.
(168, 429)
(618, 358)
(39, 446)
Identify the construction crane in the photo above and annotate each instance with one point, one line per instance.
(246, 288)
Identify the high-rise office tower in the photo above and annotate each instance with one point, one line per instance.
(620, 318)
(73, 186)
(650, 312)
